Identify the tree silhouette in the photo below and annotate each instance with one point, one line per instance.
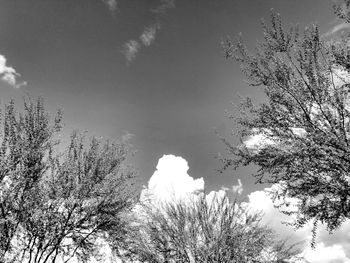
(299, 136)
(59, 205)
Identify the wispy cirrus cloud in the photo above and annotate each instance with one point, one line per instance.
(148, 35)
(130, 49)
(163, 7)
(111, 4)
(9, 75)
(236, 188)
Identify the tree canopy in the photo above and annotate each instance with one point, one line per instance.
(299, 137)
(59, 204)
(206, 228)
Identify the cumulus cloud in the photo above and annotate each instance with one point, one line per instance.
(329, 248)
(148, 35)
(171, 181)
(111, 4)
(9, 74)
(323, 254)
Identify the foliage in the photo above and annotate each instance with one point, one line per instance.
(304, 124)
(59, 205)
(203, 230)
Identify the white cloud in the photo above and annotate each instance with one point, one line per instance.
(329, 248)
(171, 181)
(132, 47)
(299, 131)
(262, 138)
(149, 34)
(163, 7)
(9, 74)
(340, 77)
(238, 188)
(111, 4)
(130, 50)
(326, 254)
(257, 141)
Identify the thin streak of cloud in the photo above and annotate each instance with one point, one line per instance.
(131, 48)
(111, 4)
(238, 188)
(9, 75)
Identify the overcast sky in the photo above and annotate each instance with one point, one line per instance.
(151, 68)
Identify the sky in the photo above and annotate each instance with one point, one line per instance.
(154, 69)
(151, 68)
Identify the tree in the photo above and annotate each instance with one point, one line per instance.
(302, 129)
(59, 205)
(26, 141)
(204, 229)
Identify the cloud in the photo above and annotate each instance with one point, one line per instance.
(323, 254)
(9, 74)
(130, 50)
(258, 140)
(132, 47)
(339, 79)
(111, 4)
(163, 7)
(329, 248)
(171, 181)
(238, 188)
(148, 35)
